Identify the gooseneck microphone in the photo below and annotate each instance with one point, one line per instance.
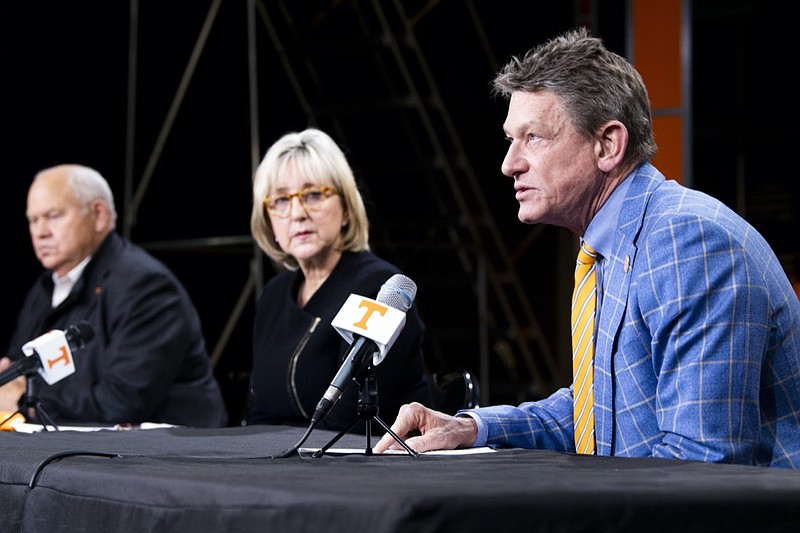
(373, 326)
(50, 354)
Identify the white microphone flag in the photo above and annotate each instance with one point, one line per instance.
(371, 319)
(54, 353)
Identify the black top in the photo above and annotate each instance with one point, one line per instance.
(147, 361)
(286, 393)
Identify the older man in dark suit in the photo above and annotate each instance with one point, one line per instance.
(148, 360)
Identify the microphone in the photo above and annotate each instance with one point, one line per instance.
(372, 327)
(53, 351)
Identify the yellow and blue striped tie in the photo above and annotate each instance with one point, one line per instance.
(583, 311)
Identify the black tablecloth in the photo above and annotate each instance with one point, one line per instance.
(198, 480)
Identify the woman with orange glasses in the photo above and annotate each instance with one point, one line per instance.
(309, 218)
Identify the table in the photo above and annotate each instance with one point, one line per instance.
(198, 480)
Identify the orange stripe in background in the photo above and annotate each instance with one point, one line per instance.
(657, 57)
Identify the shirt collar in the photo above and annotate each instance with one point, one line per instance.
(600, 233)
(62, 285)
(73, 275)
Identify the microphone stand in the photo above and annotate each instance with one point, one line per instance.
(34, 406)
(31, 407)
(368, 412)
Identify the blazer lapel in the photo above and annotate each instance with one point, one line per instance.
(617, 273)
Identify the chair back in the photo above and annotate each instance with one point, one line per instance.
(454, 389)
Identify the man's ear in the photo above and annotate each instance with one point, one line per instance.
(612, 142)
(101, 214)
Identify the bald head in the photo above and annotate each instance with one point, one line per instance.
(70, 211)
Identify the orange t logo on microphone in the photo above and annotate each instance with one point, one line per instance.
(371, 307)
(63, 358)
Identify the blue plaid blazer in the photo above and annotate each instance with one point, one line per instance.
(698, 342)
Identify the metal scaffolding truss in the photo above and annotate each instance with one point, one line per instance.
(445, 236)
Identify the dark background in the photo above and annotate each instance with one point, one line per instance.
(71, 92)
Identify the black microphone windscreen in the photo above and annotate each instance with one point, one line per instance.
(79, 334)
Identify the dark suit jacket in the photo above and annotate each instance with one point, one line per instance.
(147, 361)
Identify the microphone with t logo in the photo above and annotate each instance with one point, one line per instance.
(50, 354)
(372, 327)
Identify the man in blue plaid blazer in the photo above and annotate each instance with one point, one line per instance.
(697, 334)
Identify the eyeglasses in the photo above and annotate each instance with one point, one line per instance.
(311, 198)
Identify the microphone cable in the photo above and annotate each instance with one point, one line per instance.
(37, 472)
(288, 452)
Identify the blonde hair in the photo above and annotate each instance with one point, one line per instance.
(318, 157)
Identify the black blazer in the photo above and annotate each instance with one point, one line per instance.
(287, 393)
(147, 361)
